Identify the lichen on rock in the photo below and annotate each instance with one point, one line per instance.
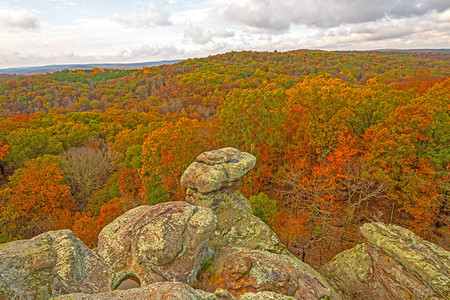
(236, 225)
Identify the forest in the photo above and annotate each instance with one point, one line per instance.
(341, 138)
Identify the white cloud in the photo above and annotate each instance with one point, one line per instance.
(150, 52)
(11, 19)
(152, 16)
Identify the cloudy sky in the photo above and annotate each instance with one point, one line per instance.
(97, 31)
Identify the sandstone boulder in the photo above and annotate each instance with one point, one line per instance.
(163, 242)
(240, 271)
(404, 265)
(51, 264)
(214, 171)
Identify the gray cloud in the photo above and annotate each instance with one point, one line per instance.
(18, 20)
(154, 15)
(201, 35)
(412, 32)
(279, 15)
(197, 34)
(222, 32)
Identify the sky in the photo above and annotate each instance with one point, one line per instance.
(43, 32)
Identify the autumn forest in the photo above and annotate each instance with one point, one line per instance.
(341, 138)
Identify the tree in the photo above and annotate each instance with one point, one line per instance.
(397, 154)
(132, 188)
(317, 109)
(252, 120)
(27, 144)
(40, 199)
(86, 228)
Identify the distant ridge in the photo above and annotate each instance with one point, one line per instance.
(416, 50)
(56, 68)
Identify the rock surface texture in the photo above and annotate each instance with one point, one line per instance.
(172, 291)
(241, 270)
(248, 256)
(348, 271)
(51, 264)
(212, 247)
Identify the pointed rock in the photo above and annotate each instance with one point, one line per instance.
(214, 171)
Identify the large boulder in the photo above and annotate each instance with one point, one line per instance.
(404, 265)
(51, 264)
(172, 291)
(215, 171)
(240, 271)
(163, 242)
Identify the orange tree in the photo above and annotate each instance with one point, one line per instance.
(39, 200)
(3, 150)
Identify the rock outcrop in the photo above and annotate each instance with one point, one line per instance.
(51, 264)
(393, 263)
(212, 247)
(164, 242)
